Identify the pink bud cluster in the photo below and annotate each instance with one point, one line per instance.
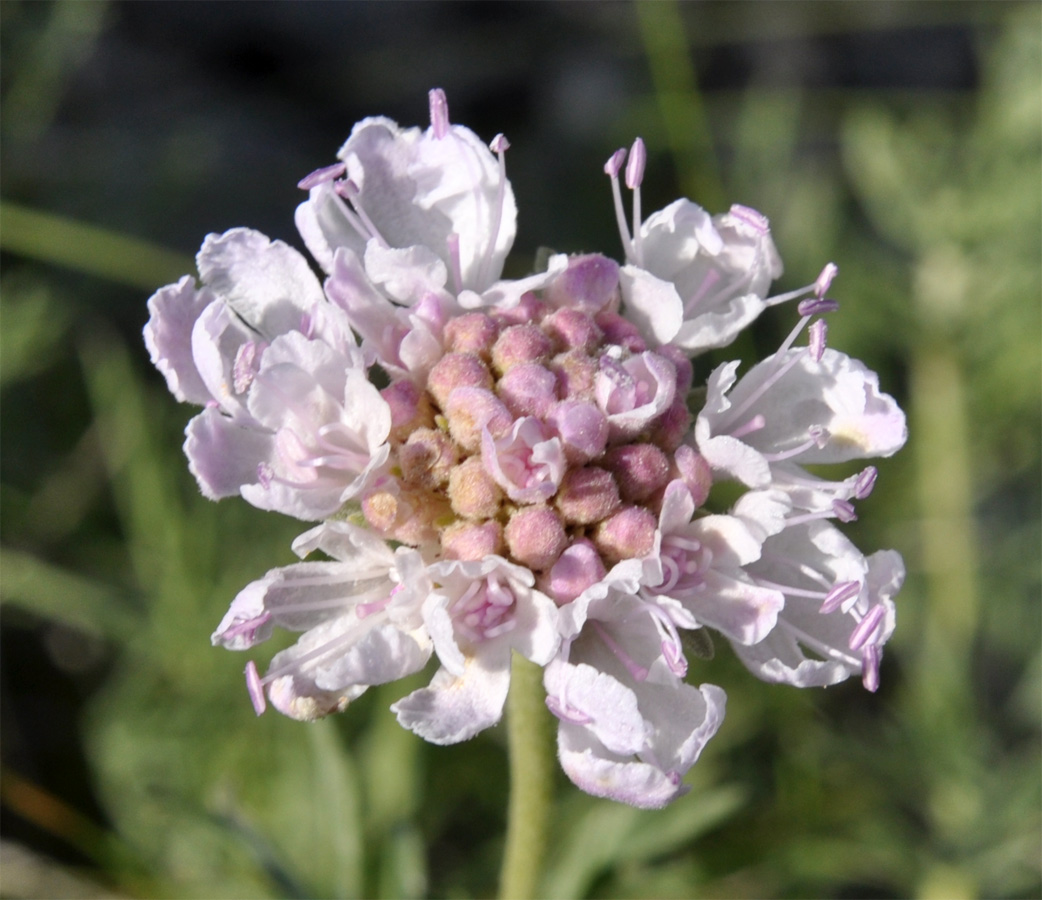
(546, 433)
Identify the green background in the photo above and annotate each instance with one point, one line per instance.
(900, 139)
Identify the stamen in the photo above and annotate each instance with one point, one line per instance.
(265, 473)
(350, 192)
(824, 280)
(790, 591)
(638, 672)
(614, 164)
(635, 167)
(499, 146)
(672, 648)
(816, 306)
(790, 339)
(248, 627)
(634, 176)
(754, 424)
(439, 106)
(567, 714)
(866, 626)
(352, 218)
(819, 646)
(255, 687)
(865, 482)
(816, 339)
(840, 594)
(297, 664)
(757, 220)
(844, 510)
(320, 176)
(870, 667)
(674, 657)
(817, 436)
(611, 169)
(454, 261)
(243, 367)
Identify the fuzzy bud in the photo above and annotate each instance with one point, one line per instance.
(456, 370)
(528, 389)
(520, 344)
(472, 491)
(471, 409)
(587, 495)
(535, 537)
(473, 333)
(469, 540)
(628, 534)
(577, 568)
(639, 469)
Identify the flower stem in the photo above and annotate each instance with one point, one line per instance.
(531, 779)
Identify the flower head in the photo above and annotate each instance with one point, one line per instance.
(527, 466)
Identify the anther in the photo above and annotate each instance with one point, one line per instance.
(859, 637)
(320, 176)
(635, 167)
(439, 113)
(844, 510)
(823, 281)
(255, 687)
(865, 482)
(756, 220)
(816, 306)
(840, 594)
(816, 339)
(614, 164)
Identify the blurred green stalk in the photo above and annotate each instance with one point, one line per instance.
(680, 103)
(85, 248)
(531, 778)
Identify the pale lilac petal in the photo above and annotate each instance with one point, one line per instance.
(652, 304)
(454, 708)
(173, 311)
(266, 282)
(405, 274)
(219, 338)
(222, 455)
(321, 223)
(247, 622)
(736, 607)
(684, 718)
(610, 709)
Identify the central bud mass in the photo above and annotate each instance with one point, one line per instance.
(546, 433)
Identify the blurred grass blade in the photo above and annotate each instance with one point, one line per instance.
(680, 103)
(89, 249)
(337, 812)
(33, 328)
(55, 593)
(610, 835)
(141, 480)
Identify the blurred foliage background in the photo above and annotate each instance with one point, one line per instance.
(901, 139)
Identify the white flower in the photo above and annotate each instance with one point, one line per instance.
(360, 614)
(278, 370)
(792, 407)
(629, 727)
(477, 614)
(431, 205)
(838, 606)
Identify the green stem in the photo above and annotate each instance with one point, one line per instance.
(531, 778)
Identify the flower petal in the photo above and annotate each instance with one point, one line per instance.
(454, 708)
